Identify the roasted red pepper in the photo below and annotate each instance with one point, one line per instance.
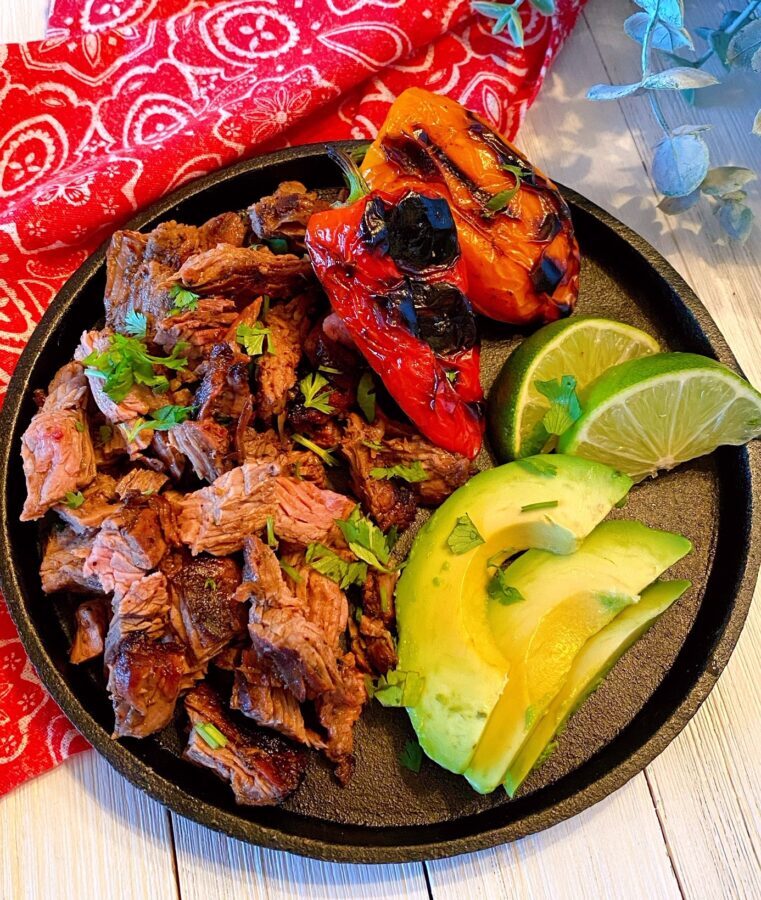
(390, 264)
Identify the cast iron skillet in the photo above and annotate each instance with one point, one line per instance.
(388, 814)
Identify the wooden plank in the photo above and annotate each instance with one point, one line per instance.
(613, 850)
(212, 865)
(22, 20)
(82, 831)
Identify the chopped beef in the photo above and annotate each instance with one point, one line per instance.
(204, 590)
(285, 213)
(282, 636)
(92, 621)
(224, 390)
(131, 542)
(324, 601)
(372, 642)
(171, 460)
(228, 659)
(289, 324)
(62, 567)
(100, 502)
(68, 389)
(142, 481)
(218, 518)
(320, 427)
(56, 449)
(306, 514)
(139, 267)
(388, 502)
(257, 694)
(144, 607)
(139, 401)
(446, 471)
(201, 328)
(338, 712)
(145, 680)
(206, 444)
(262, 769)
(244, 272)
(253, 446)
(247, 316)
(321, 349)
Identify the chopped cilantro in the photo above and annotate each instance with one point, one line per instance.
(330, 370)
(211, 585)
(277, 245)
(366, 396)
(412, 756)
(74, 499)
(271, 539)
(105, 433)
(314, 396)
(211, 735)
(396, 688)
(252, 338)
(291, 572)
(184, 300)
(323, 560)
(135, 324)
(366, 541)
(501, 200)
(501, 592)
(80, 426)
(565, 408)
(464, 536)
(126, 362)
(162, 419)
(373, 445)
(412, 474)
(451, 375)
(542, 504)
(325, 455)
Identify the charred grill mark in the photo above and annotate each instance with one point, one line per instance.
(506, 156)
(408, 156)
(445, 163)
(546, 275)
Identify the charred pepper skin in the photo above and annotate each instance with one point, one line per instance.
(522, 260)
(390, 264)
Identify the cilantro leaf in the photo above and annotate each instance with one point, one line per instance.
(412, 756)
(105, 433)
(162, 419)
(499, 590)
(372, 445)
(272, 541)
(211, 585)
(126, 362)
(135, 324)
(501, 200)
(74, 499)
(253, 337)
(413, 473)
(184, 300)
(290, 571)
(323, 560)
(397, 688)
(366, 396)
(325, 455)
(565, 408)
(314, 396)
(542, 504)
(464, 536)
(330, 370)
(366, 541)
(80, 426)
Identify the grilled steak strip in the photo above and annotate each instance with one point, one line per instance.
(262, 769)
(62, 567)
(100, 502)
(285, 213)
(338, 712)
(206, 445)
(92, 622)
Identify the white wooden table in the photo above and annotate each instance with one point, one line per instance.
(690, 825)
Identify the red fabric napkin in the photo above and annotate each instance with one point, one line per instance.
(128, 99)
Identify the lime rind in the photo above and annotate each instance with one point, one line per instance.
(584, 347)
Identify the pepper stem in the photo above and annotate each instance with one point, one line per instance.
(354, 179)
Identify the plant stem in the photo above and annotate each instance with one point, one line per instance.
(646, 69)
(735, 26)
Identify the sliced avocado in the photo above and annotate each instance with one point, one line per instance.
(441, 599)
(593, 662)
(567, 599)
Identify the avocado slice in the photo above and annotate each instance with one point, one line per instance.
(593, 662)
(441, 598)
(567, 599)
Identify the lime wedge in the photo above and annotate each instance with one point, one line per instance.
(583, 347)
(656, 412)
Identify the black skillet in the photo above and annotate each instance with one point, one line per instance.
(388, 814)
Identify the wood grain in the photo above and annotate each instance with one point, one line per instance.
(81, 832)
(22, 20)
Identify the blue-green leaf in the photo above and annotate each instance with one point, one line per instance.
(545, 7)
(723, 180)
(672, 206)
(736, 219)
(613, 91)
(756, 127)
(744, 50)
(679, 78)
(515, 27)
(680, 164)
(664, 35)
(671, 11)
(691, 129)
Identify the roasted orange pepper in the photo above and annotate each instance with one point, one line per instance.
(515, 230)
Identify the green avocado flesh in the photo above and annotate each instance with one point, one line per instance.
(441, 598)
(593, 662)
(567, 600)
